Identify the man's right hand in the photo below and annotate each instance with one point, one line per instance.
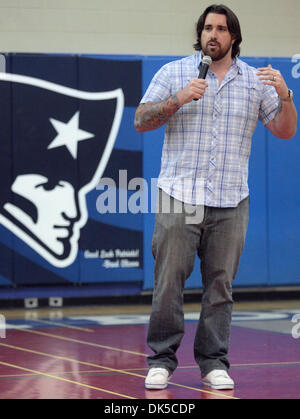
(195, 89)
(152, 115)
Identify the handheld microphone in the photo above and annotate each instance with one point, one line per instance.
(204, 66)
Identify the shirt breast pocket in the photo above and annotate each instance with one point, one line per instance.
(244, 100)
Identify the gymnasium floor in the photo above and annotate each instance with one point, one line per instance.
(100, 353)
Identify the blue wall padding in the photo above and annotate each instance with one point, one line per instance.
(272, 251)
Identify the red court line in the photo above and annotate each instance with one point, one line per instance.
(276, 354)
(74, 340)
(126, 380)
(55, 377)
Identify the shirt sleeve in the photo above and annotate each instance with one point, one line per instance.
(269, 105)
(159, 88)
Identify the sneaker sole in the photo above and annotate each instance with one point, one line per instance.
(149, 386)
(156, 386)
(219, 386)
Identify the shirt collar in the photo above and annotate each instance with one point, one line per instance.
(236, 62)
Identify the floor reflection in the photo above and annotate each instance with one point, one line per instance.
(209, 393)
(206, 393)
(158, 394)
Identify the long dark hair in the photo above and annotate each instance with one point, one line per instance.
(232, 23)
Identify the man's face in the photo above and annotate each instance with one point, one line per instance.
(216, 40)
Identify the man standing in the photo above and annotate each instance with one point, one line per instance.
(209, 127)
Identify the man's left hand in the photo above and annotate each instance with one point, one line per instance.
(270, 76)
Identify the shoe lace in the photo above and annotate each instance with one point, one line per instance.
(156, 371)
(221, 373)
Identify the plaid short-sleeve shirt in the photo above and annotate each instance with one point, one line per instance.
(207, 142)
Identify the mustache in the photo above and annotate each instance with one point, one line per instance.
(212, 41)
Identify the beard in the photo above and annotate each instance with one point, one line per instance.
(216, 51)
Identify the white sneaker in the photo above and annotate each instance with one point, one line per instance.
(157, 378)
(219, 380)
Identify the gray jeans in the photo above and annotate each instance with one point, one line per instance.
(218, 239)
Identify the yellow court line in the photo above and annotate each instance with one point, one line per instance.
(205, 391)
(64, 358)
(54, 372)
(64, 379)
(112, 348)
(106, 368)
(67, 326)
(266, 364)
(256, 364)
(97, 345)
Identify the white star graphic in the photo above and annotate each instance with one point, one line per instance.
(69, 134)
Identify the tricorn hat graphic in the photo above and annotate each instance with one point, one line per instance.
(55, 144)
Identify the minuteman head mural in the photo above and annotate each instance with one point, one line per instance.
(60, 142)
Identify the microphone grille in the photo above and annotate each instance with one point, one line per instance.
(207, 60)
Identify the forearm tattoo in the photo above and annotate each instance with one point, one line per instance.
(153, 115)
